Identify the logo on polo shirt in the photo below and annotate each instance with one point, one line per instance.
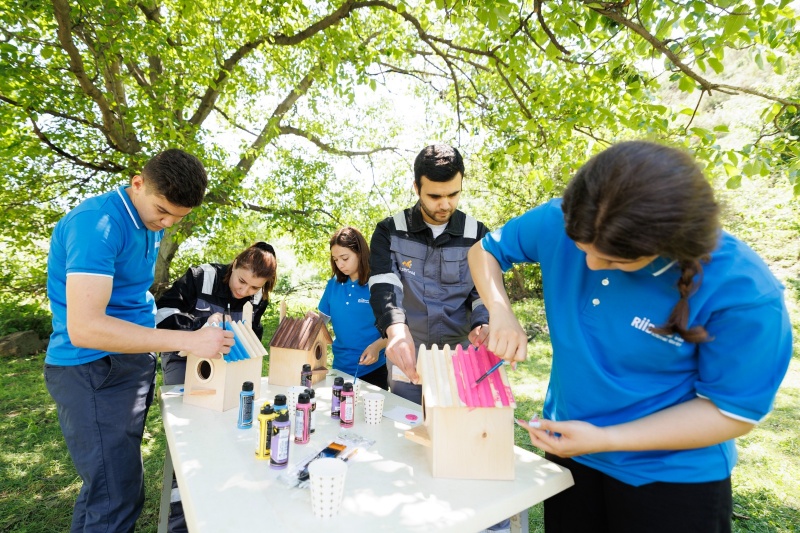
(363, 301)
(644, 324)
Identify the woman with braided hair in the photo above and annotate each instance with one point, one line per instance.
(670, 339)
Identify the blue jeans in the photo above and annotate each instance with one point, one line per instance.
(102, 407)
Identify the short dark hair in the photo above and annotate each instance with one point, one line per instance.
(438, 162)
(260, 259)
(638, 199)
(351, 239)
(177, 176)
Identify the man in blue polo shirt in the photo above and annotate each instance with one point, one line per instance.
(100, 366)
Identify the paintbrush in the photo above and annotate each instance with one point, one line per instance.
(486, 375)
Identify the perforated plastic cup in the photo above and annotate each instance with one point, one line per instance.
(356, 392)
(327, 486)
(291, 398)
(373, 408)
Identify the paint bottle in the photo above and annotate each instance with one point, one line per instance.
(246, 398)
(336, 399)
(279, 446)
(313, 396)
(348, 406)
(302, 419)
(265, 418)
(305, 376)
(280, 404)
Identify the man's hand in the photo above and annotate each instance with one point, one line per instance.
(210, 342)
(478, 335)
(401, 351)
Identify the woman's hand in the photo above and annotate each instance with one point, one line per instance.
(370, 354)
(216, 318)
(506, 338)
(567, 439)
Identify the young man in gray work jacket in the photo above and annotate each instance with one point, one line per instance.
(421, 290)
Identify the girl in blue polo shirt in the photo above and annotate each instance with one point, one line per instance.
(358, 348)
(670, 339)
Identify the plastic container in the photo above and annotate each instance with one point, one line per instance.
(336, 398)
(279, 447)
(302, 419)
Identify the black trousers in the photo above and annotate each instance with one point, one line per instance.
(599, 503)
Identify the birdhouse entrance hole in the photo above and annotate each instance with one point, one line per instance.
(204, 370)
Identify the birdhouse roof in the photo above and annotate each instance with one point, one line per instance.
(300, 333)
(449, 376)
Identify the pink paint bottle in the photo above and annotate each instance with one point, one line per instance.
(348, 406)
(302, 419)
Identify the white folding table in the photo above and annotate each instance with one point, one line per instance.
(389, 486)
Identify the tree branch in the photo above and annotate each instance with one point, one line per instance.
(290, 130)
(107, 166)
(613, 14)
(537, 7)
(113, 127)
(212, 93)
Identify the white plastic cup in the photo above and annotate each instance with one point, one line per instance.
(356, 392)
(327, 486)
(373, 408)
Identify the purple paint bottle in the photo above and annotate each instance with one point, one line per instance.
(279, 447)
(305, 376)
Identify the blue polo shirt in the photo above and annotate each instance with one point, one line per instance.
(353, 325)
(609, 367)
(104, 236)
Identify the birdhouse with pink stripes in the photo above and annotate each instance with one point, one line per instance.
(468, 426)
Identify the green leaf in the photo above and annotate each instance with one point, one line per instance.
(686, 84)
(733, 23)
(779, 65)
(734, 183)
(716, 64)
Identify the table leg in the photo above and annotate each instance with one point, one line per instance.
(519, 522)
(166, 492)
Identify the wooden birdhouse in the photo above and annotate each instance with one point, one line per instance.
(296, 342)
(469, 430)
(216, 383)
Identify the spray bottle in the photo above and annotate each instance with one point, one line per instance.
(246, 398)
(302, 419)
(265, 419)
(313, 396)
(348, 406)
(279, 447)
(336, 399)
(305, 376)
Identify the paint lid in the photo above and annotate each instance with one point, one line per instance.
(306, 368)
(348, 387)
(311, 392)
(267, 409)
(280, 399)
(247, 386)
(283, 416)
(338, 381)
(303, 398)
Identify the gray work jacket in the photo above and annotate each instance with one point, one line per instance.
(424, 282)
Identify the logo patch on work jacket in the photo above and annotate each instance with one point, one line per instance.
(406, 268)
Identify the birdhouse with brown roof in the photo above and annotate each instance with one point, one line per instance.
(468, 427)
(298, 342)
